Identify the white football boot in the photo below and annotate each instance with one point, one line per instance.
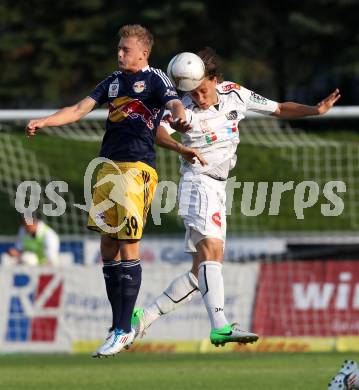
(115, 342)
(103, 346)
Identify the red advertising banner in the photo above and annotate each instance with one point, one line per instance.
(307, 298)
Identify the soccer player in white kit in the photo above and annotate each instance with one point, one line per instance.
(214, 110)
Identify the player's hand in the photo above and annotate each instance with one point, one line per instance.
(33, 125)
(191, 154)
(352, 380)
(13, 252)
(180, 125)
(327, 103)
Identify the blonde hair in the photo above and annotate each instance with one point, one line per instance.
(141, 33)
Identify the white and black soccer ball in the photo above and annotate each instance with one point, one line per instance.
(186, 71)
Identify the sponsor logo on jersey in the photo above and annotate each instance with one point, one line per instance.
(113, 88)
(232, 130)
(139, 86)
(232, 115)
(170, 92)
(123, 107)
(216, 218)
(210, 138)
(34, 307)
(228, 87)
(258, 98)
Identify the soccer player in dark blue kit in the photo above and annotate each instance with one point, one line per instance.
(136, 95)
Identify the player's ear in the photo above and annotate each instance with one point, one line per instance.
(146, 53)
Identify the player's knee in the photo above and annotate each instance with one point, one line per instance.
(109, 248)
(194, 270)
(130, 249)
(210, 249)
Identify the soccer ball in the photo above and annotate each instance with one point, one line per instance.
(29, 258)
(186, 71)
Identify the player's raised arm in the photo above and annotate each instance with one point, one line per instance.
(62, 117)
(290, 110)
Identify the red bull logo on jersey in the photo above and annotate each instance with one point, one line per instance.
(33, 307)
(123, 107)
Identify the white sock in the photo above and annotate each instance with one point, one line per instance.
(210, 284)
(179, 292)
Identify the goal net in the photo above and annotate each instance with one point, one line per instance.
(271, 155)
(300, 186)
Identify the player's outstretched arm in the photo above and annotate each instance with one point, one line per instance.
(290, 110)
(164, 140)
(62, 117)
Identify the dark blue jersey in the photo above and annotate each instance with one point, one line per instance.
(136, 103)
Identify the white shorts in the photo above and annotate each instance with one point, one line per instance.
(202, 205)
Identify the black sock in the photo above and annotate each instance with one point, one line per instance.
(131, 283)
(112, 272)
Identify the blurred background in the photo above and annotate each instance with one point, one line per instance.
(53, 53)
(294, 281)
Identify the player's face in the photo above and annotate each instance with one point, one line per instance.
(132, 55)
(30, 228)
(205, 94)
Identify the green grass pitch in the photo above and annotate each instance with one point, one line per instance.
(134, 371)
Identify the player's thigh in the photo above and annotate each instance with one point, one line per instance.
(202, 207)
(109, 247)
(103, 212)
(133, 210)
(202, 204)
(121, 199)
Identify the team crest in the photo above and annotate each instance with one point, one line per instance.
(139, 86)
(100, 219)
(203, 123)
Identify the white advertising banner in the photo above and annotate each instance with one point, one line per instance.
(48, 309)
(171, 250)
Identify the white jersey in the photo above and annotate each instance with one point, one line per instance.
(215, 130)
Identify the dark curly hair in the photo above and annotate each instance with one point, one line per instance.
(212, 63)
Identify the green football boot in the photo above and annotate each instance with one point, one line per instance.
(232, 333)
(138, 322)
